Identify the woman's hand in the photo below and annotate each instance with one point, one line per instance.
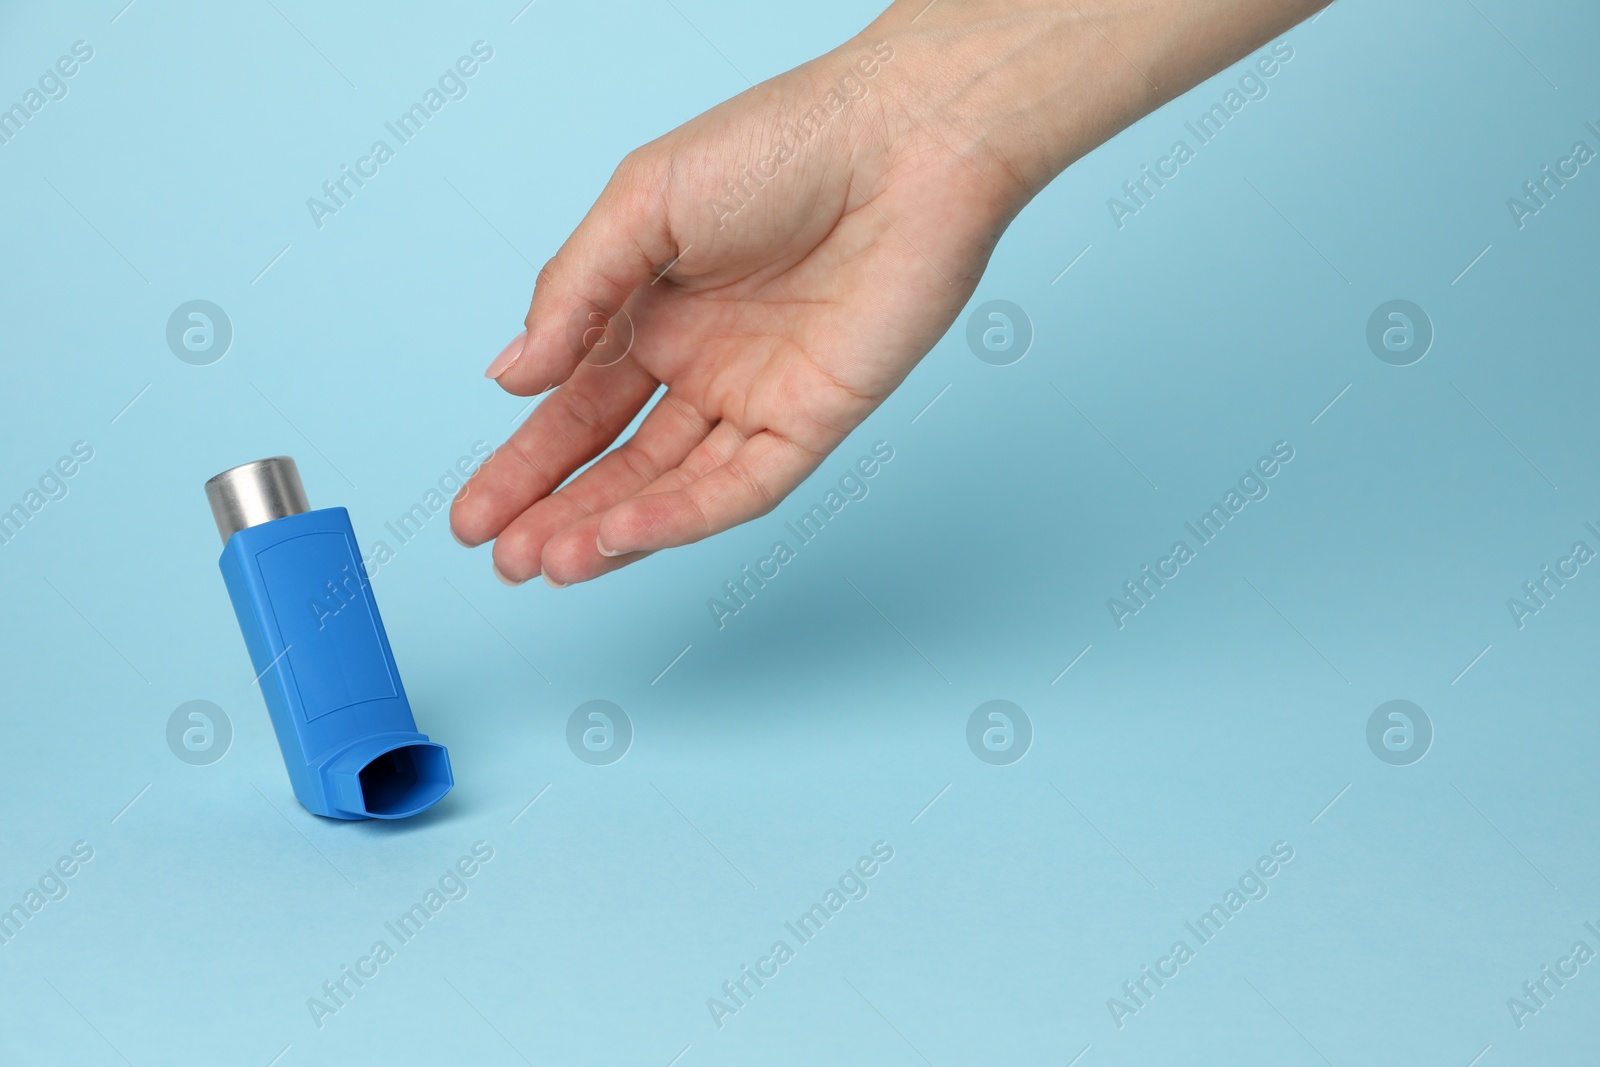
(780, 264)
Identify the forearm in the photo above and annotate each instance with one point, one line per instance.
(1024, 88)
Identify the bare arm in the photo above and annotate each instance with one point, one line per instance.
(781, 262)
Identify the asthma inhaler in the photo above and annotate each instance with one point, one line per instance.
(323, 660)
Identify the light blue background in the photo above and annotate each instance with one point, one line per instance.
(773, 753)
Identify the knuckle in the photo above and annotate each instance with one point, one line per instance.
(518, 451)
(702, 519)
(754, 487)
(569, 505)
(545, 280)
(632, 167)
(638, 463)
(582, 409)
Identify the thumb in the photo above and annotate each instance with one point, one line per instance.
(615, 249)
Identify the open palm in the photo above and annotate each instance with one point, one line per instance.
(779, 285)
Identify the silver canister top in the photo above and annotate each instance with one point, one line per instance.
(254, 493)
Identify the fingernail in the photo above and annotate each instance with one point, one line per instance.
(503, 579)
(508, 355)
(553, 584)
(603, 550)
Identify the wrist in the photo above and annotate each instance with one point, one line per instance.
(1023, 88)
(1018, 91)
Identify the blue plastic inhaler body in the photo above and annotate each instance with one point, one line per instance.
(312, 627)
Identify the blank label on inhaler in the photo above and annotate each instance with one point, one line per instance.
(334, 652)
